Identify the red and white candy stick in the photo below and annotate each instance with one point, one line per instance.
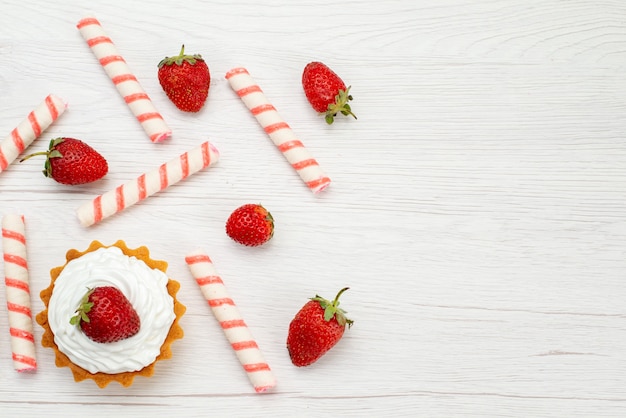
(30, 129)
(277, 129)
(147, 184)
(18, 293)
(231, 321)
(125, 81)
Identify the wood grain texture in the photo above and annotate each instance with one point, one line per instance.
(477, 210)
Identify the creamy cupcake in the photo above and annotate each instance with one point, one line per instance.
(145, 286)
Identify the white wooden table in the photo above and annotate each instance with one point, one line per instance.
(477, 210)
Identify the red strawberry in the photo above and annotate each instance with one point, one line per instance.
(315, 329)
(250, 225)
(106, 316)
(326, 91)
(71, 161)
(185, 79)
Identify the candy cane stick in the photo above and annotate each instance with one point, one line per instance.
(18, 293)
(126, 83)
(147, 184)
(231, 321)
(30, 129)
(277, 129)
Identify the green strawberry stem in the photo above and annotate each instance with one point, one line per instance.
(50, 153)
(34, 154)
(340, 106)
(82, 310)
(332, 310)
(180, 58)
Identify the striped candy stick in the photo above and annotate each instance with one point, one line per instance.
(18, 293)
(30, 129)
(231, 321)
(125, 81)
(277, 129)
(147, 184)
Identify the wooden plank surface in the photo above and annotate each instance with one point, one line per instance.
(477, 208)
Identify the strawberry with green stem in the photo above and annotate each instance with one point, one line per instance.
(105, 315)
(71, 161)
(315, 329)
(185, 79)
(326, 91)
(250, 225)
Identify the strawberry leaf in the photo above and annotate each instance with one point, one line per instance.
(340, 106)
(55, 154)
(332, 310)
(180, 59)
(82, 310)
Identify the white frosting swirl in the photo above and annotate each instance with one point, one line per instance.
(145, 288)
